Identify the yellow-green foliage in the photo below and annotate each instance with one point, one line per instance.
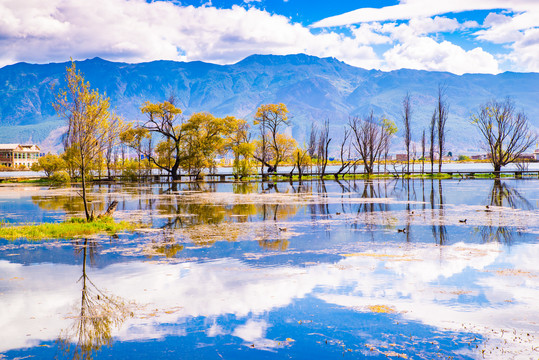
(74, 227)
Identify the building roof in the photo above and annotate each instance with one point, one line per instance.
(20, 146)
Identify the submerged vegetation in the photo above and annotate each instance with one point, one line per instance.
(71, 228)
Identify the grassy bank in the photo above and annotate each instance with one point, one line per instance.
(72, 228)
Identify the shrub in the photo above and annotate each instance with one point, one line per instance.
(61, 177)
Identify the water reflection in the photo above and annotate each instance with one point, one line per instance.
(205, 213)
(385, 268)
(100, 312)
(502, 194)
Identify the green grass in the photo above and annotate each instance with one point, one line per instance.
(72, 228)
(27, 181)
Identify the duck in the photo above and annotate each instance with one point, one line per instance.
(463, 221)
(403, 230)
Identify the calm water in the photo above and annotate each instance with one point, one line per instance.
(417, 269)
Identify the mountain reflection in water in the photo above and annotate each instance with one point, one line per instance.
(395, 268)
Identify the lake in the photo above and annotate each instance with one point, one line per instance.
(392, 268)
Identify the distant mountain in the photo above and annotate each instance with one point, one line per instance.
(314, 89)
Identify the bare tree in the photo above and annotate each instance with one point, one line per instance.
(423, 152)
(344, 164)
(506, 133)
(323, 146)
(406, 117)
(368, 139)
(432, 137)
(312, 140)
(443, 110)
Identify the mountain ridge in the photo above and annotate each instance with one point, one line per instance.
(314, 89)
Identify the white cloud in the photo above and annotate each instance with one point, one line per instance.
(409, 9)
(136, 31)
(498, 28)
(425, 53)
(525, 51)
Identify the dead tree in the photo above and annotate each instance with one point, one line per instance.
(344, 164)
(432, 137)
(423, 152)
(406, 116)
(443, 110)
(506, 133)
(368, 139)
(323, 147)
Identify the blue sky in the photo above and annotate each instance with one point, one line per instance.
(459, 36)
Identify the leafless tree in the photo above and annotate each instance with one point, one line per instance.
(312, 140)
(344, 164)
(368, 139)
(506, 133)
(406, 117)
(323, 146)
(443, 109)
(423, 152)
(432, 137)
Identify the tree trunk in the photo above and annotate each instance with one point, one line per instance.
(83, 174)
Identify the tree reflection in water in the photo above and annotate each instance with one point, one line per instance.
(501, 194)
(99, 314)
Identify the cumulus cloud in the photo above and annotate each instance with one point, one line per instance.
(409, 9)
(136, 31)
(425, 53)
(516, 27)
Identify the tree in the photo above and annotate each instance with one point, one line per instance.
(506, 133)
(239, 142)
(163, 120)
(270, 118)
(205, 136)
(344, 164)
(301, 160)
(323, 148)
(432, 133)
(368, 139)
(113, 140)
(423, 143)
(88, 120)
(134, 137)
(406, 117)
(441, 117)
(49, 164)
(389, 128)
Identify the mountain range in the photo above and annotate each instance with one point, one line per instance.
(314, 89)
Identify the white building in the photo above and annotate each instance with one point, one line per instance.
(17, 155)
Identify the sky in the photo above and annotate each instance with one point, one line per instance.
(459, 36)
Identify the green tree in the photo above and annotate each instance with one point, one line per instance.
(49, 164)
(163, 120)
(88, 118)
(271, 118)
(205, 136)
(239, 142)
